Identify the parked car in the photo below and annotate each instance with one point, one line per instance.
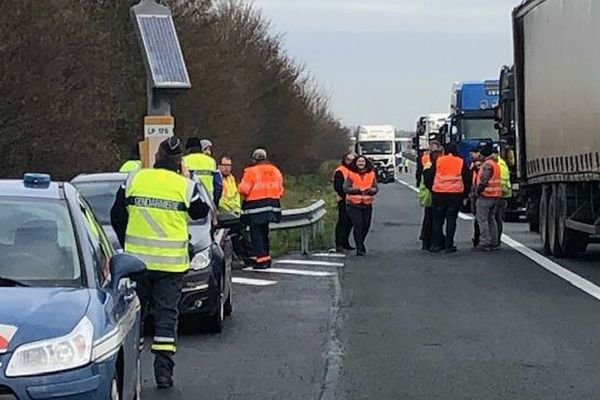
(207, 292)
(70, 318)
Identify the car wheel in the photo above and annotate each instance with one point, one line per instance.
(229, 303)
(216, 320)
(138, 382)
(115, 393)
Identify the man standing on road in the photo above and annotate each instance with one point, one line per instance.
(344, 224)
(489, 192)
(506, 194)
(150, 217)
(262, 188)
(203, 166)
(450, 185)
(424, 158)
(475, 154)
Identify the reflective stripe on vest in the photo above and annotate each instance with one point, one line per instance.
(230, 199)
(130, 165)
(448, 175)
(362, 182)
(505, 178)
(494, 186)
(157, 229)
(261, 181)
(204, 167)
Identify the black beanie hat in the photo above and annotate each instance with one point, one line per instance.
(192, 142)
(487, 150)
(172, 146)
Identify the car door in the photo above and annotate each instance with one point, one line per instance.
(122, 303)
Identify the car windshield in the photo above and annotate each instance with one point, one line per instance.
(37, 243)
(479, 129)
(376, 147)
(100, 195)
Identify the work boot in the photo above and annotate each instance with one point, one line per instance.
(164, 382)
(452, 249)
(348, 247)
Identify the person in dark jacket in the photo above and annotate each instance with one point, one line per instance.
(446, 204)
(475, 165)
(427, 225)
(344, 224)
(360, 187)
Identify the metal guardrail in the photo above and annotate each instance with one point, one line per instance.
(309, 220)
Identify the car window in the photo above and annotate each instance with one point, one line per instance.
(100, 196)
(101, 248)
(37, 242)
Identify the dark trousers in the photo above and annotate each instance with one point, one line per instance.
(259, 235)
(361, 223)
(445, 211)
(343, 227)
(427, 227)
(160, 293)
(241, 242)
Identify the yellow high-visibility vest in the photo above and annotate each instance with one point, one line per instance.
(204, 167)
(131, 165)
(157, 231)
(505, 179)
(230, 199)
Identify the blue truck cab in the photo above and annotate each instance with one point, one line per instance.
(472, 118)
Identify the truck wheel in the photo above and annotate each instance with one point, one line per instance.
(533, 213)
(555, 248)
(543, 225)
(571, 242)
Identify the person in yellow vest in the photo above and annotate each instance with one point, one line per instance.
(344, 224)
(506, 194)
(203, 167)
(489, 192)
(360, 187)
(150, 217)
(134, 163)
(230, 198)
(449, 182)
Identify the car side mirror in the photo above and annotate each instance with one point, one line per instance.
(123, 265)
(227, 220)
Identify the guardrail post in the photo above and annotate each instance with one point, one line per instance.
(305, 240)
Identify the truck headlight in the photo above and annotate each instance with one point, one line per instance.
(53, 355)
(201, 260)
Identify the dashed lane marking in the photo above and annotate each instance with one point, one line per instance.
(291, 272)
(252, 282)
(329, 255)
(310, 262)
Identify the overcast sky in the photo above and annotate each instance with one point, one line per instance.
(390, 61)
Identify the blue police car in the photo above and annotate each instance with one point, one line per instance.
(69, 317)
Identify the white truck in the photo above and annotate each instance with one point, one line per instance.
(429, 128)
(377, 143)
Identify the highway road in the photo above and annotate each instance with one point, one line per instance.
(404, 324)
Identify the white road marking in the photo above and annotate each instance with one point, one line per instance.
(461, 215)
(310, 262)
(544, 262)
(252, 282)
(329, 255)
(291, 272)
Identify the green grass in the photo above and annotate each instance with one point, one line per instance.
(302, 191)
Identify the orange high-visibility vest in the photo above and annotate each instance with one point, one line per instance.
(425, 159)
(343, 169)
(448, 175)
(362, 182)
(494, 186)
(261, 181)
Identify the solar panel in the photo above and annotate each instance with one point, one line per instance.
(163, 52)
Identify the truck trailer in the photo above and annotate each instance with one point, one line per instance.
(557, 120)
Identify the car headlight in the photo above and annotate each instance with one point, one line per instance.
(58, 354)
(201, 260)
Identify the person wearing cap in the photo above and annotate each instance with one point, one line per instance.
(150, 217)
(202, 165)
(262, 188)
(134, 163)
(489, 192)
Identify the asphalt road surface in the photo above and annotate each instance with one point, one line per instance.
(404, 324)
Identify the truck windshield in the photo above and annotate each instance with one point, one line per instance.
(478, 129)
(37, 243)
(376, 147)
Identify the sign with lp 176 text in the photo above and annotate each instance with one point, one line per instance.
(156, 129)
